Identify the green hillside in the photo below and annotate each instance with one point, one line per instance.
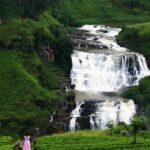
(29, 82)
(101, 11)
(91, 140)
(77, 12)
(26, 101)
(136, 37)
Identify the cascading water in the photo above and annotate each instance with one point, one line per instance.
(116, 111)
(75, 114)
(101, 65)
(106, 72)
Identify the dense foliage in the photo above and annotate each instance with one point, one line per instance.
(141, 96)
(23, 9)
(29, 35)
(76, 12)
(136, 37)
(29, 92)
(138, 123)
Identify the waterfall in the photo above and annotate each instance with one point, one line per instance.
(115, 111)
(106, 72)
(104, 66)
(75, 114)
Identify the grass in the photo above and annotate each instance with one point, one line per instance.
(5, 143)
(29, 89)
(15, 32)
(144, 28)
(136, 37)
(91, 140)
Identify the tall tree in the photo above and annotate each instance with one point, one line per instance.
(138, 123)
(110, 125)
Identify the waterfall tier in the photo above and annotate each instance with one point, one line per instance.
(106, 72)
(99, 113)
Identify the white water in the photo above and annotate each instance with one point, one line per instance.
(106, 70)
(75, 114)
(112, 111)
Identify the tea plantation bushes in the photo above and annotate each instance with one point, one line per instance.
(91, 140)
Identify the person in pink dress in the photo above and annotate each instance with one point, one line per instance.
(26, 143)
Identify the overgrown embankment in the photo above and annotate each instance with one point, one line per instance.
(137, 37)
(30, 86)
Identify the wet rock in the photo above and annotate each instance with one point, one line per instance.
(63, 104)
(84, 123)
(93, 46)
(103, 31)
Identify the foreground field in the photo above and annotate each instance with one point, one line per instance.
(5, 143)
(92, 140)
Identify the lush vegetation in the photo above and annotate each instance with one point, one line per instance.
(29, 83)
(24, 9)
(29, 91)
(75, 12)
(101, 11)
(28, 35)
(141, 96)
(136, 37)
(5, 143)
(92, 140)
(121, 138)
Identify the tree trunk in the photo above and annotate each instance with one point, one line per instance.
(134, 138)
(110, 132)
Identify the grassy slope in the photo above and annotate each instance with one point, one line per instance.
(91, 140)
(101, 11)
(29, 85)
(24, 101)
(137, 38)
(5, 143)
(16, 31)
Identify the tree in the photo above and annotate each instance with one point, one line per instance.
(110, 125)
(138, 123)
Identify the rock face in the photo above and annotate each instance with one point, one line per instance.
(59, 120)
(148, 61)
(101, 66)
